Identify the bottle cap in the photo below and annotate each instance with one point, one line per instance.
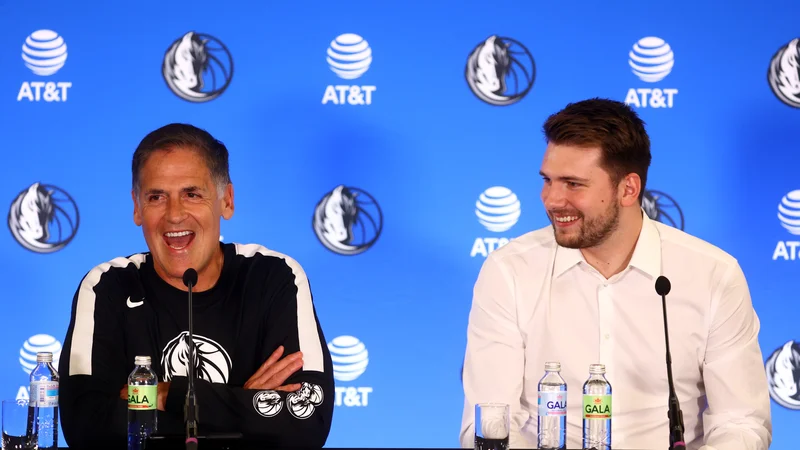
(44, 357)
(552, 366)
(597, 369)
(142, 361)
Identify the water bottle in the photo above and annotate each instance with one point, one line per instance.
(597, 409)
(43, 401)
(142, 403)
(552, 420)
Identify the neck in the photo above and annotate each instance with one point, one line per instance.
(613, 255)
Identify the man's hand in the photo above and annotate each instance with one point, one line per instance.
(273, 372)
(163, 390)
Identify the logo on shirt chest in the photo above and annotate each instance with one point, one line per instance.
(211, 361)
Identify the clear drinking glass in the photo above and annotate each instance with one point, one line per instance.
(19, 432)
(492, 426)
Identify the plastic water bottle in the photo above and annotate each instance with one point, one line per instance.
(44, 400)
(142, 403)
(597, 409)
(552, 420)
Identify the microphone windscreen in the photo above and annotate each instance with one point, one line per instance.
(190, 277)
(662, 285)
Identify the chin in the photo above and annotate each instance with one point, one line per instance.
(568, 242)
(174, 271)
(173, 267)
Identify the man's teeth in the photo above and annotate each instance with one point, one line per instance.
(566, 219)
(177, 234)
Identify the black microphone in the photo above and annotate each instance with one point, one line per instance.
(190, 407)
(675, 415)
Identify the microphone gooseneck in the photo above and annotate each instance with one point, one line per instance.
(190, 407)
(674, 414)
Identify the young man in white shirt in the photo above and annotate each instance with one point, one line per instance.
(581, 291)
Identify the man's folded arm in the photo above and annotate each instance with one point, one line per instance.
(300, 418)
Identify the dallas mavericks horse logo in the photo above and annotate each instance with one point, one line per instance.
(783, 375)
(499, 74)
(784, 73)
(347, 220)
(43, 218)
(195, 64)
(663, 208)
(211, 361)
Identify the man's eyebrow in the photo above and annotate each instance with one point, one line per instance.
(191, 188)
(566, 178)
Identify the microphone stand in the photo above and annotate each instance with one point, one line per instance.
(674, 414)
(190, 407)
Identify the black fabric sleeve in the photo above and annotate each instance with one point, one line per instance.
(92, 369)
(293, 419)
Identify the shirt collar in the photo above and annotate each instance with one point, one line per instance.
(646, 255)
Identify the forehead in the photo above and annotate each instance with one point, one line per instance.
(176, 164)
(565, 160)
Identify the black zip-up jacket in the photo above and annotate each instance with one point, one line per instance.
(123, 309)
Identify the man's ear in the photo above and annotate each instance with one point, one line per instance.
(227, 202)
(137, 217)
(630, 186)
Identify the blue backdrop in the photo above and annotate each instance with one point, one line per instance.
(416, 109)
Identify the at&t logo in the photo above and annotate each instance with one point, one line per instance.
(349, 57)
(497, 209)
(350, 359)
(44, 52)
(789, 217)
(651, 59)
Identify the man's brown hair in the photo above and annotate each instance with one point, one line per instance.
(610, 125)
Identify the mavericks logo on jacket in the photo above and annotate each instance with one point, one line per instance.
(211, 363)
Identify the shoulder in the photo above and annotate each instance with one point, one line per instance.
(119, 270)
(116, 279)
(681, 245)
(277, 276)
(533, 248)
(262, 261)
(697, 262)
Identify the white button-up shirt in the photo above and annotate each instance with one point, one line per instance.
(535, 301)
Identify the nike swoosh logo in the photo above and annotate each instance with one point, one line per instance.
(134, 304)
